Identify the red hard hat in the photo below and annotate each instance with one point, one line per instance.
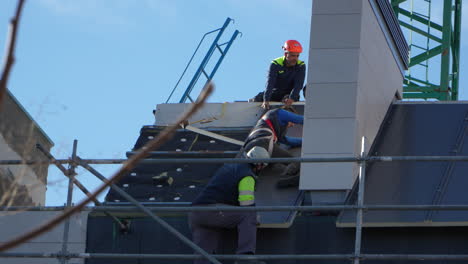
(292, 46)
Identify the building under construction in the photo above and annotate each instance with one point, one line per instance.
(382, 178)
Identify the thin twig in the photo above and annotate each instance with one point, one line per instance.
(165, 135)
(10, 50)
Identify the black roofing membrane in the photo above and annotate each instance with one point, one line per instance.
(418, 129)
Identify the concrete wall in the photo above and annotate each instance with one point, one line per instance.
(19, 134)
(379, 76)
(352, 79)
(13, 224)
(236, 114)
(23, 176)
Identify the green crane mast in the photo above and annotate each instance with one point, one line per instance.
(432, 29)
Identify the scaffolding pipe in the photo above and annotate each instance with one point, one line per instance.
(241, 160)
(70, 173)
(357, 256)
(360, 202)
(400, 257)
(156, 218)
(170, 208)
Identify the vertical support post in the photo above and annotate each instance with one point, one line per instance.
(66, 228)
(456, 48)
(445, 56)
(360, 203)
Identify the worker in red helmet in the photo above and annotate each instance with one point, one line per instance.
(285, 77)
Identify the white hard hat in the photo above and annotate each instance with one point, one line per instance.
(258, 153)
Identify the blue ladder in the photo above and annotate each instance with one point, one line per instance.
(201, 68)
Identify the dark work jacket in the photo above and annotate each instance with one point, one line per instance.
(284, 80)
(223, 186)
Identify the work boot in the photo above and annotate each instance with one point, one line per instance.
(285, 182)
(290, 176)
(291, 169)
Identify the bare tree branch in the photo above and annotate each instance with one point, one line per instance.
(10, 49)
(165, 135)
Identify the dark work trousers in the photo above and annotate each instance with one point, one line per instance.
(275, 97)
(207, 228)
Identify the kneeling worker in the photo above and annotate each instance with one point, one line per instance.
(270, 130)
(232, 184)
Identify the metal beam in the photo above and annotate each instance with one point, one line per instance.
(456, 48)
(398, 257)
(425, 55)
(170, 207)
(417, 88)
(70, 173)
(446, 41)
(447, 35)
(360, 202)
(395, 3)
(410, 80)
(419, 31)
(419, 19)
(274, 160)
(428, 95)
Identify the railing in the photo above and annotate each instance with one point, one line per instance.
(362, 160)
(201, 68)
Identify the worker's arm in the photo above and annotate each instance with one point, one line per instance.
(271, 82)
(298, 83)
(246, 191)
(285, 116)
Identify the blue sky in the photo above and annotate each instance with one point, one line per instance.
(94, 70)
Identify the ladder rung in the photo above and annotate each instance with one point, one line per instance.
(419, 14)
(419, 47)
(190, 98)
(220, 50)
(225, 43)
(206, 75)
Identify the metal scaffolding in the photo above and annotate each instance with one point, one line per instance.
(64, 255)
(432, 41)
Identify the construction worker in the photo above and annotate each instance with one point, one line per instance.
(271, 130)
(285, 77)
(232, 184)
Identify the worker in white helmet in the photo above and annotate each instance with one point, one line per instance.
(231, 185)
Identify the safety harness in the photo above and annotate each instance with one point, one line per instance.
(273, 138)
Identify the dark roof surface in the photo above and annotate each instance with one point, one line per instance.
(179, 184)
(430, 129)
(176, 182)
